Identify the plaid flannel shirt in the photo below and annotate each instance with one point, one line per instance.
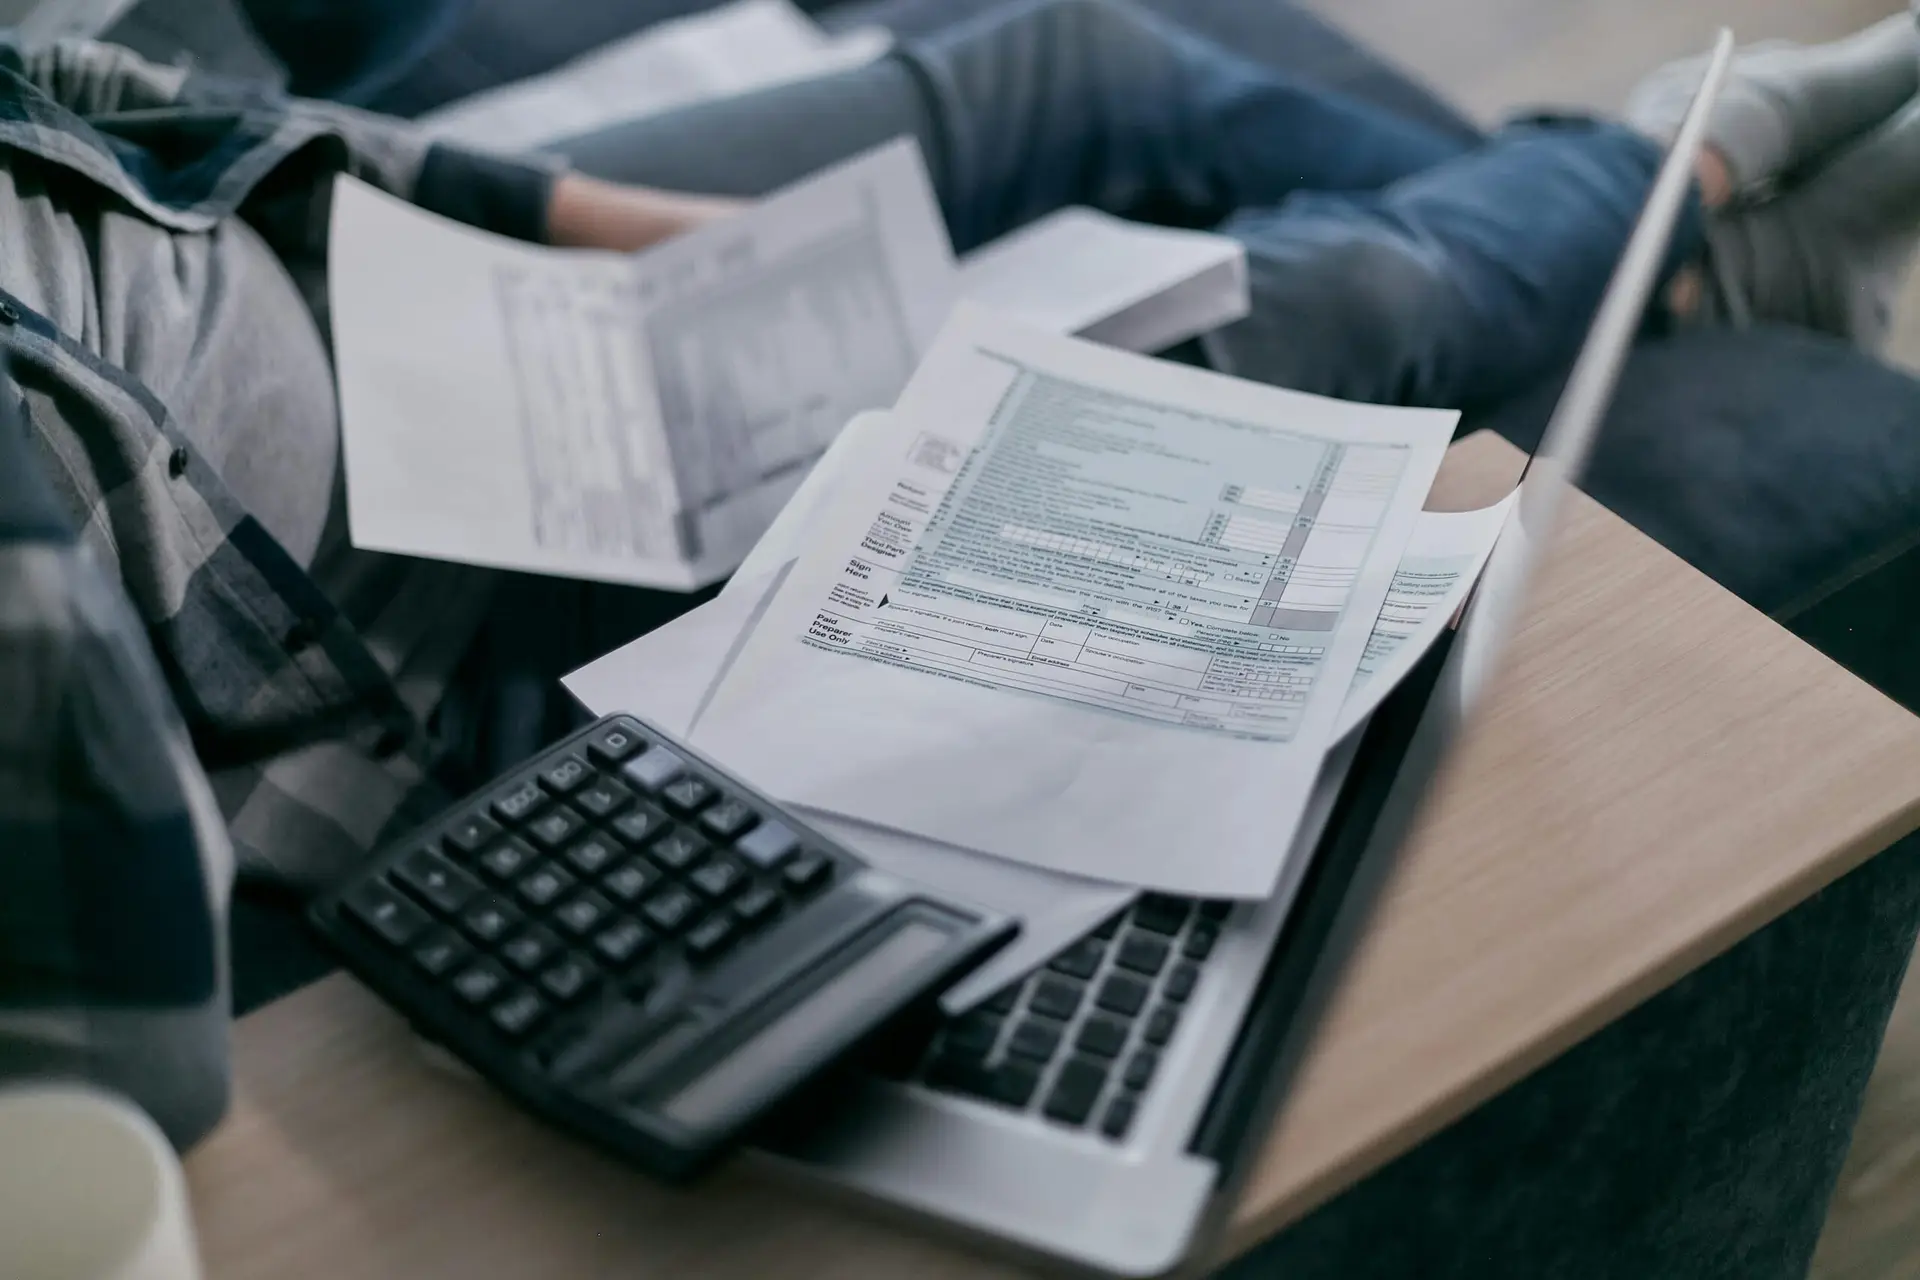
(142, 609)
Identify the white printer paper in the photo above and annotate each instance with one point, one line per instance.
(1111, 281)
(1084, 610)
(751, 44)
(632, 418)
(1442, 560)
(663, 677)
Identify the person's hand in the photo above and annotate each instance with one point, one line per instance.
(586, 213)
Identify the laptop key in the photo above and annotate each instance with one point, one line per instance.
(1036, 1038)
(1181, 981)
(1003, 1002)
(1199, 943)
(1140, 1069)
(1102, 1037)
(1161, 913)
(1081, 960)
(1118, 1118)
(1076, 1090)
(1013, 1083)
(974, 1035)
(1161, 1024)
(1122, 994)
(1143, 953)
(1057, 997)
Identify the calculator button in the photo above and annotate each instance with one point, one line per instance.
(469, 834)
(542, 885)
(767, 845)
(395, 920)
(1122, 995)
(613, 744)
(519, 1013)
(516, 804)
(530, 950)
(719, 879)
(441, 951)
(712, 936)
(567, 774)
(480, 982)
(1056, 997)
(807, 873)
(729, 818)
(435, 881)
(653, 768)
(603, 799)
(506, 860)
(678, 849)
(640, 825)
(1143, 953)
(568, 980)
(687, 795)
(756, 906)
(592, 855)
(631, 879)
(555, 827)
(623, 942)
(1076, 1090)
(582, 913)
(490, 919)
(671, 909)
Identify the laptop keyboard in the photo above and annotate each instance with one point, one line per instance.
(1080, 1040)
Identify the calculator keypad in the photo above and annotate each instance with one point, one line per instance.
(615, 859)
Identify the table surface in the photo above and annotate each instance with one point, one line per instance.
(1658, 772)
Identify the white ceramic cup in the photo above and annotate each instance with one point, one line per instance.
(90, 1189)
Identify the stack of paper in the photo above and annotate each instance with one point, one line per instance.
(642, 418)
(913, 609)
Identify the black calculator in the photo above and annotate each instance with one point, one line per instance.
(635, 946)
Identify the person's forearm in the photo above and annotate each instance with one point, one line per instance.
(586, 213)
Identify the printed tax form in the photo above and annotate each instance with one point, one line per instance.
(1082, 610)
(630, 418)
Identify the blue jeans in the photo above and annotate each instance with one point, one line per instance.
(1388, 263)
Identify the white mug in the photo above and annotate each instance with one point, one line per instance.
(90, 1189)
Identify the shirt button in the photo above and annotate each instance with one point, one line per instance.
(177, 463)
(9, 314)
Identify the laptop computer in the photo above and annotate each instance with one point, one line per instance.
(1105, 1111)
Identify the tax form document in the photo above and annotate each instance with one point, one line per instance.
(629, 418)
(1082, 609)
(1436, 573)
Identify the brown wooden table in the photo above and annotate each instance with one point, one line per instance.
(1659, 772)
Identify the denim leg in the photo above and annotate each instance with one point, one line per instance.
(1453, 287)
(1036, 106)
